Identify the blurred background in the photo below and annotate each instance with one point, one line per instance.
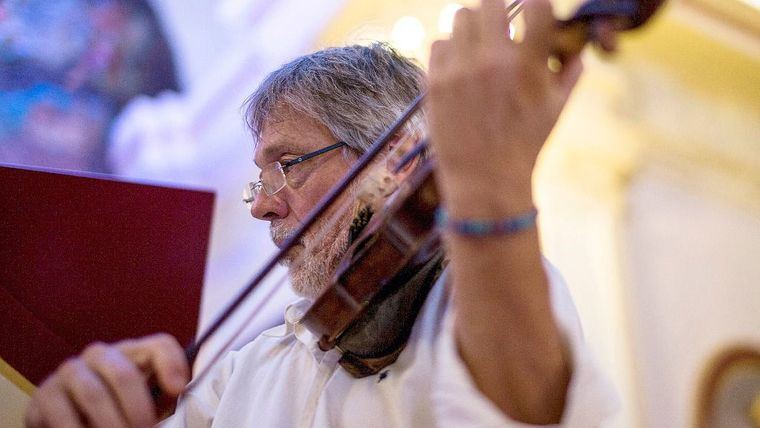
(649, 188)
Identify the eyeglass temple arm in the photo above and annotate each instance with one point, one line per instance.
(312, 154)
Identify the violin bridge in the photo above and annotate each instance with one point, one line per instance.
(376, 188)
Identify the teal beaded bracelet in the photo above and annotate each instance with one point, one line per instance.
(477, 227)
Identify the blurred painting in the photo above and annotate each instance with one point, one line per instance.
(66, 70)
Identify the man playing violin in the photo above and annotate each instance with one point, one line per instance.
(497, 340)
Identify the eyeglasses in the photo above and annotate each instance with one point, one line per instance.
(272, 178)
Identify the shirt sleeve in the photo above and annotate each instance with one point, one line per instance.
(590, 399)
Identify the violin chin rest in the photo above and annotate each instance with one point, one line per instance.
(376, 339)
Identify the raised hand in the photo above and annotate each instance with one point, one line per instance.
(493, 102)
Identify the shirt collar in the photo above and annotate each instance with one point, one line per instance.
(293, 314)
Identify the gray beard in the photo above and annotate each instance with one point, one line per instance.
(311, 273)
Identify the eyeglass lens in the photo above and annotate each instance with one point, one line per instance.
(272, 178)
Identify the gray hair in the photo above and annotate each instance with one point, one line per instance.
(355, 91)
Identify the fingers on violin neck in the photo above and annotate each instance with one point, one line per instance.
(464, 30)
(540, 26)
(494, 21)
(604, 34)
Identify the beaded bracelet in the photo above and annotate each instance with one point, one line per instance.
(478, 227)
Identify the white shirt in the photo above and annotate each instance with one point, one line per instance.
(283, 379)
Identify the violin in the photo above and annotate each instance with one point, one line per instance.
(396, 255)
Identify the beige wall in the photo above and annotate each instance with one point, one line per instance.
(651, 195)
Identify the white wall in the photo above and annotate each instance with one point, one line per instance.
(694, 286)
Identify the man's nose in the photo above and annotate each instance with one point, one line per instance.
(268, 208)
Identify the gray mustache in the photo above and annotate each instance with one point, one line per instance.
(280, 233)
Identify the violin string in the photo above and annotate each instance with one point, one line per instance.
(512, 5)
(515, 7)
(511, 12)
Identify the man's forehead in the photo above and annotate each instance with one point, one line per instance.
(270, 148)
(285, 132)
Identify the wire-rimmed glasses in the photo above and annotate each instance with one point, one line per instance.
(272, 178)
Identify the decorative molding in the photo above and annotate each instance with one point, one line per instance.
(732, 21)
(734, 13)
(643, 112)
(717, 403)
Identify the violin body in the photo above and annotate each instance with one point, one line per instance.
(390, 250)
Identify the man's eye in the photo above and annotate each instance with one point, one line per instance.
(296, 175)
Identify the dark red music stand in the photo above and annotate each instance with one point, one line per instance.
(88, 257)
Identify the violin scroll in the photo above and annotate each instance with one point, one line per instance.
(629, 14)
(599, 21)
